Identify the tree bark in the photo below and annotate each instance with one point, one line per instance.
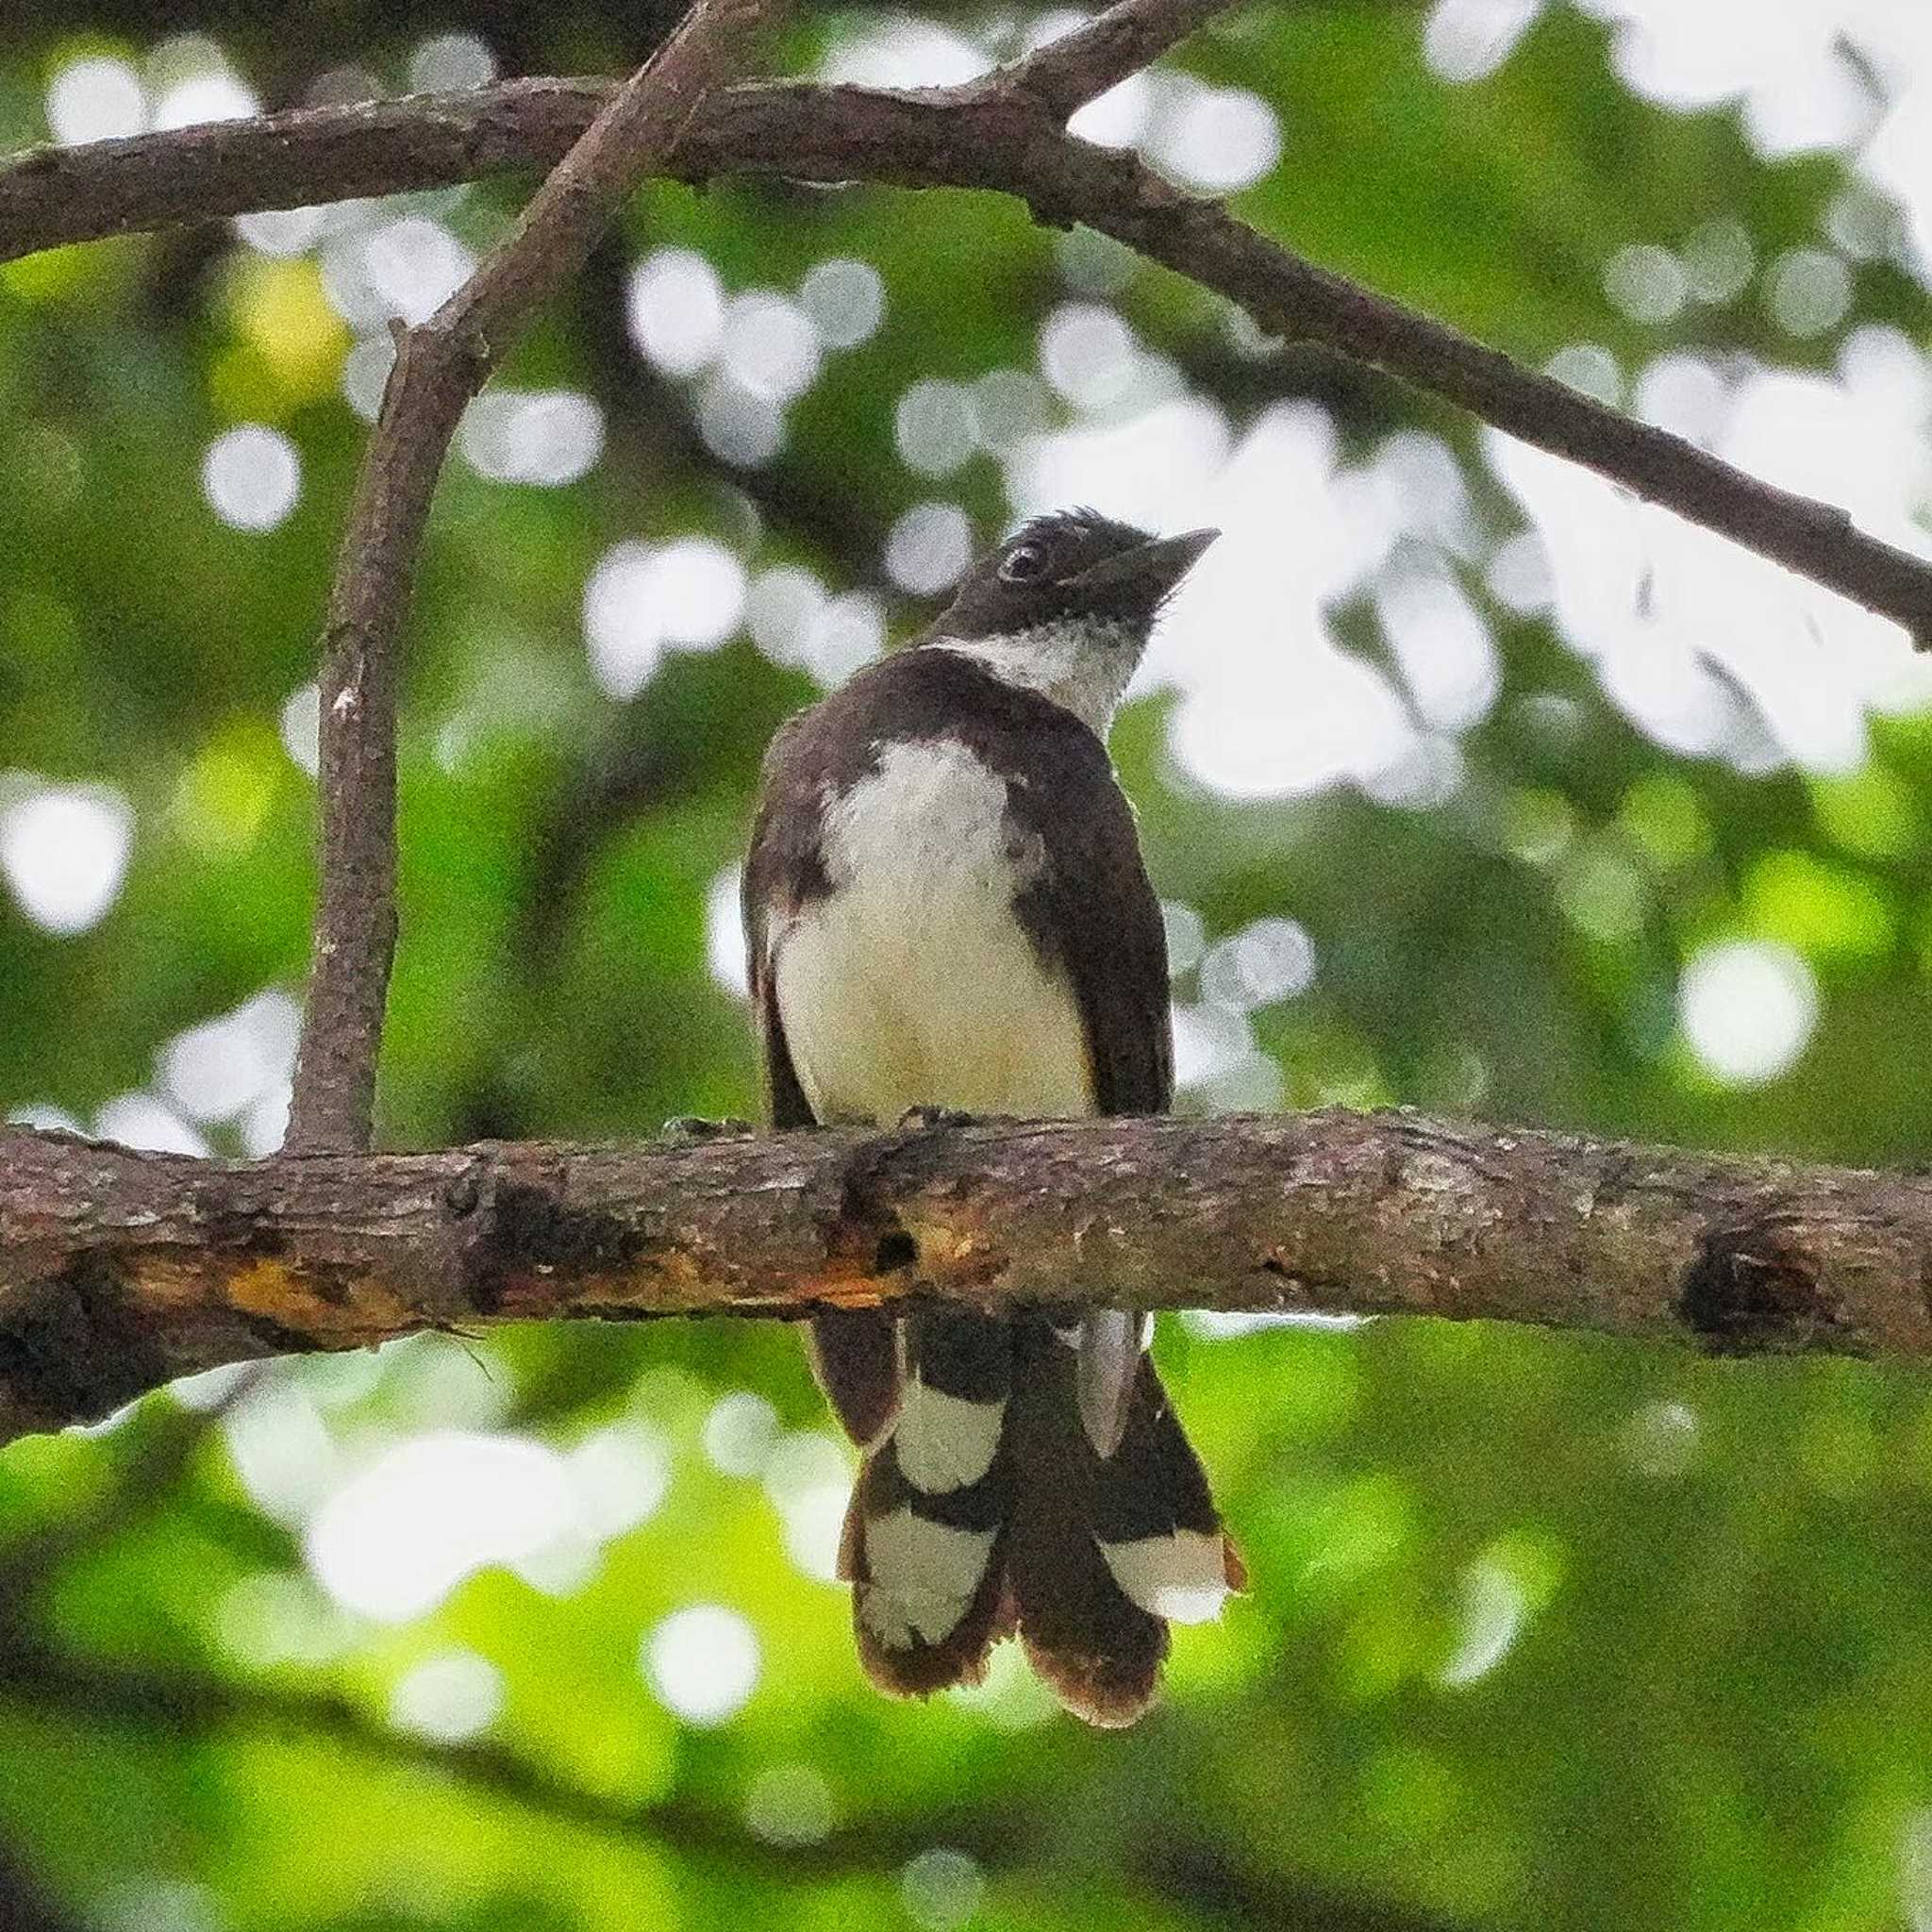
(119, 1271)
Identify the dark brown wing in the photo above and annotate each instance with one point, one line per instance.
(781, 866)
(1093, 911)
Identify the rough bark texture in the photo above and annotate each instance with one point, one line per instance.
(1002, 133)
(120, 1270)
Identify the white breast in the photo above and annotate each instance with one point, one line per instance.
(912, 984)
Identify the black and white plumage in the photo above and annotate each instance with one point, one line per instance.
(946, 906)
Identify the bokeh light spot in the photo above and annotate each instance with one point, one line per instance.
(941, 1888)
(1466, 40)
(63, 852)
(1216, 139)
(394, 1541)
(1809, 290)
(214, 93)
(1493, 1608)
(739, 426)
(739, 1433)
(252, 476)
(676, 308)
(639, 602)
(448, 62)
(933, 428)
(215, 1071)
(845, 300)
(1748, 1007)
(703, 1663)
(415, 265)
(96, 99)
(929, 548)
(770, 347)
(451, 1696)
(545, 437)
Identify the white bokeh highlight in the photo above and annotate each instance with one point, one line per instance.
(928, 548)
(893, 49)
(543, 437)
(1747, 1008)
(702, 1663)
(63, 851)
(450, 1697)
(237, 1068)
(397, 1537)
(642, 600)
(448, 61)
(415, 265)
(845, 301)
(674, 305)
(1493, 1611)
(251, 476)
(99, 98)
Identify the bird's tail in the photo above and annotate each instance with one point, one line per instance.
(1003, 1496)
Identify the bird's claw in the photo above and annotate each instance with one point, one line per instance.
(693, 1126)
(924, 1119)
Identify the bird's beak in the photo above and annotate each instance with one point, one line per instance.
(1153, 568)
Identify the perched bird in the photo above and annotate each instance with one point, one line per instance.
(946, 908)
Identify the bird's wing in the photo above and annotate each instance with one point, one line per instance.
(1092, 910)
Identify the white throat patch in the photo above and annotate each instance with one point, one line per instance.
(1082, 664)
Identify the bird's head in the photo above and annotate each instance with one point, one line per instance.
(1066, 605)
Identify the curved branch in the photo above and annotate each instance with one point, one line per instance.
(998, 133)
(119, 1271)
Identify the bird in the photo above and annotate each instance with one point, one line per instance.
(945, 907)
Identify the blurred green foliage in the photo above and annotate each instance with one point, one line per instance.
(1542, 1631)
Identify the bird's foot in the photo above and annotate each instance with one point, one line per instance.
(692, 1126)
(923, 1119)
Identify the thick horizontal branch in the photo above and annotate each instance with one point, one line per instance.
(119, 1271)
(998, 133)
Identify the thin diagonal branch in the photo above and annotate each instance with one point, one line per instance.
(439, 367)
(1079, 67)
(996, 133)
(119, 1270)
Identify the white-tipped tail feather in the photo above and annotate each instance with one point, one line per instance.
(944, 1441)
(1181, 1575)
(924, 1575)
(1026, 1485)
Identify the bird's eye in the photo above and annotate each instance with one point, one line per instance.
(1022, 561)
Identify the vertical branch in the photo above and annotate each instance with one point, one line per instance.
(439, 367)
